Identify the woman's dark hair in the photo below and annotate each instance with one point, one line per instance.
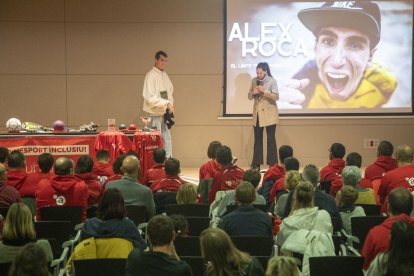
(212, 149)
(31, 260)
(84, 164)
(265, 67)
(401, 253)
(111, 205)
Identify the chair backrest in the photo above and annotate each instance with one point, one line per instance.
(336, 265)
(197, 264)
(62, 213)
(325, 186)
(31, 203)
(232, 207)
(189, 210)
(105, 267)
(56, 232)
(371, 209)
(196, 225)
(187, 246)
(4, 211)
(4, 268)
(361, 225)
(162, 199)
(375, 186)
(254, 245)
(137, 213)
(204, 189)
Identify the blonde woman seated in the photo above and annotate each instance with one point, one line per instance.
(292, 179)
(223, 258)
(304, 215)
(282, 266)
(18, 230)
(187, 194)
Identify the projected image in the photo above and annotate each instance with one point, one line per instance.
(348, 57)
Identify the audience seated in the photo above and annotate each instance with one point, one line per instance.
(246, 220)
(223, 258)
(31, 260)
(111, 221)
(277, 171)
(398, 259)
(332, 172)
(157, 171)
(4, 152)
(162, 259)
(45, 162)
(132, 191)
(229, 175)
(282, 266)
(403, 176)
(209, 169)
(351, 175)
(292, 179)
(18, 231)
(17, 175)
(116, 167)
(384, 162)
(291, 164)
(346, 198)
(252, 176)
(83, 171)
(187, 194)
(8, 194)
(355, 159)
(102, 167)
(400, 205)
(63, 189)
(172, 180)
(180, 225)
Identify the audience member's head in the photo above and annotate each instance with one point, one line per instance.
(292, 179)
(282, 266)
(303, 196)
(16, 160)
(111, 205)
(348, 196)
(31, 260)
(63, 166)
(252, 176)
(291, 164)
(337, 150)
(4, 152)
(45, 162)
(160, 230)
(351, 175)
(385, 148)
(354, 159)
(117, 165)
(311, 173)
(405, 154)
(212, 149)
(159, 155)
(19, 223)
(84, 164)
(180, 225)
(219, 252)
(172, 166)
(187, 194)
(400, 201)
(130, 166)
(245, 193)
(285, 151)
(400, 252)
(3, 172)
(102, 156)
(224, 156)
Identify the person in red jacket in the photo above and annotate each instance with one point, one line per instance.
(4, 152)
(277, 171)
(17, 175)
(384, 162)
(8, 194)
(332, 172)
(229, 175)
(207, 170)
(63, 189)
(400, 205)
(157, 171)
(102, 167)
(355, 159)
(290, 164)
(45, 162)
(171, 182)
(118, 173)
(83, 172)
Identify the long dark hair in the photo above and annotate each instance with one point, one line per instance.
(31, 260)
(265, 67)
(111, 205)
(401, 253)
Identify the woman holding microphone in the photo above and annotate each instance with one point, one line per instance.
(265, 93)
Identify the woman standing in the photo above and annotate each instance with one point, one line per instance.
(265, 93)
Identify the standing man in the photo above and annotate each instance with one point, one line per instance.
(158, 99)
